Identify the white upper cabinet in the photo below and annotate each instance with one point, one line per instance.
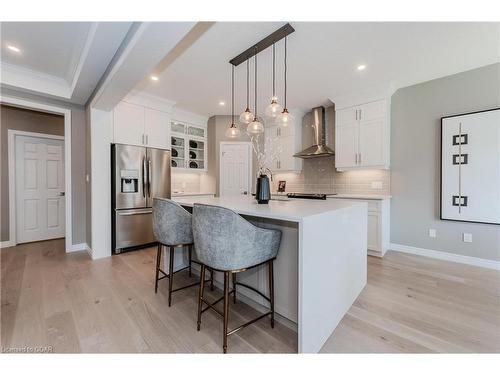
(128, 124)
(362, 136)
(289, 141)
(156, 128)
(189, 146)
(137, 125)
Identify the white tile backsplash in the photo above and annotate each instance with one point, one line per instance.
(319, 176)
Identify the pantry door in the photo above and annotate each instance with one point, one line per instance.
(235, 168)
(40, 195)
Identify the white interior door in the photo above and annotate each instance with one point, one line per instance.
(235, 169)
(40, 200)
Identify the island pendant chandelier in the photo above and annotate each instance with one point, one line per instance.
(274, 111)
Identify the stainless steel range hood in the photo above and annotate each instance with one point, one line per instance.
(319, 129)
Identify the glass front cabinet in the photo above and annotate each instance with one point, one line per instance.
(189, 146)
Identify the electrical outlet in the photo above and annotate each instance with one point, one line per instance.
(467, 237)
(432, 233)
(377, 185)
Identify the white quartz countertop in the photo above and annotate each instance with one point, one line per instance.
(361, 196)
(189, 194)
(292, 210)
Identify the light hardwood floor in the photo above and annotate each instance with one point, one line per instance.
(74, 304)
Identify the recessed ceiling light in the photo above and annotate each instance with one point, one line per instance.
(154, 78)
(222, 103)
(13, 48)
(361, 67)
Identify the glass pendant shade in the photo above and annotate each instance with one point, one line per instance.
(246, 117)
(255, 127)
(284, 118)
(233, 131)
(273, 109)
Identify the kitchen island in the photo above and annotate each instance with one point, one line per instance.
(321, 265)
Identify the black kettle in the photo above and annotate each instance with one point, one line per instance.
(263, 189)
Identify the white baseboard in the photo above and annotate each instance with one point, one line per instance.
(472, 261)
(6, 244)
(77, 247)
(89, 251)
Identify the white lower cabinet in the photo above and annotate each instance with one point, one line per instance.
(378, 236)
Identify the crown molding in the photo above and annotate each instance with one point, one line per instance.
(31, 80)
(366, 95)
(149, 101)
(189, 117)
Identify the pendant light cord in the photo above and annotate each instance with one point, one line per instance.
(248, 84)
(256, 52)
(232, 96)
(285, 71)
(274, 72)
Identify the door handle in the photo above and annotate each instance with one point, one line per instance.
(356, 157)
(131, 213)
(62, 193)
(144, 177)
(150, 177)
(360, 158)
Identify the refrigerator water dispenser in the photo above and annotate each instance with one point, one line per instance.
(129, 181)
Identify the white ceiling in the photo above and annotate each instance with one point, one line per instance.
(322, 61)
(59, 59)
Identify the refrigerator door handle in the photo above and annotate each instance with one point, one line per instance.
(150, 177)
(134, 212)
(144, 177)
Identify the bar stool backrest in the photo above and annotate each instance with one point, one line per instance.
(226, 241)
(172, 224)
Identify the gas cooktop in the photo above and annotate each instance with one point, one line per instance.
(308, 195)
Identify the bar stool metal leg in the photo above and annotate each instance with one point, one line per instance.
(226, 309)
(158, 259)
(200, 294)
(171, 275)
(271, 290)
(211, 279)
(190, 256)
(234, 288)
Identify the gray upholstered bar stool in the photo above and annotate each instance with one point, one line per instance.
(172, 228)
(226, 242)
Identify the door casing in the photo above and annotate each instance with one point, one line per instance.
(27, 104)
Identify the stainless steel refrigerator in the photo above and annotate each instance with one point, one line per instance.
(138, 174)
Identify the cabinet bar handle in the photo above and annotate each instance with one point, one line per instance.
(356, 118)
(360, 111)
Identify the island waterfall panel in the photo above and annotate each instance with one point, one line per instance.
(470, 167)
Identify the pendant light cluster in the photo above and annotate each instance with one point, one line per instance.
(274, 108)
(274, 111)
(232, 131)
(255, 127)
(284, 118)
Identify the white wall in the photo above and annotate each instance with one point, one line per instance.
(415, 162)
(100, 132)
